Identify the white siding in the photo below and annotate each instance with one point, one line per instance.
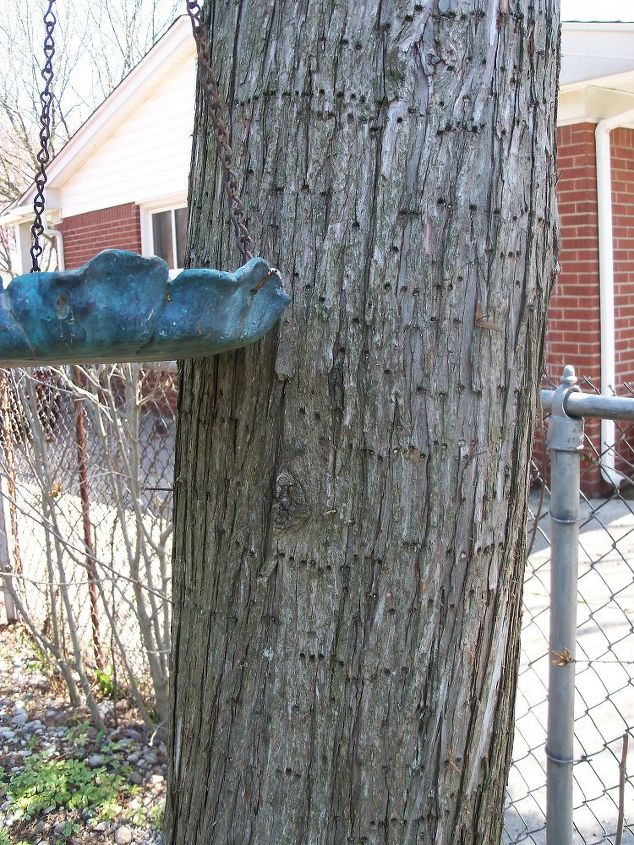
(591, 51)
(146, 157)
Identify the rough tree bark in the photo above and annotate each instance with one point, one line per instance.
(351, 494)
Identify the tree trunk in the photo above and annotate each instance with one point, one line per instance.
(351, 494)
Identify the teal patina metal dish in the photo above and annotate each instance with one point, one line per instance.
(122, 307)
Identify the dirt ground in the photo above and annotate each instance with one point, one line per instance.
(116, 779)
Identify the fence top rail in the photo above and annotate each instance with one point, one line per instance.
(592, 405)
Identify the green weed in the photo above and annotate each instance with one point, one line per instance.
(69, 784)
(107, 685)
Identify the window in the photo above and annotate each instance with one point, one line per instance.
(169, 236)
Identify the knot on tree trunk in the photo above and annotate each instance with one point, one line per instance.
(290, 507)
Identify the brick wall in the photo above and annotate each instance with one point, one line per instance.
(573, 334)
(622, 152)
(87, 234)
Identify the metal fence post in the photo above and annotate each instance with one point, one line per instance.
(565, 437)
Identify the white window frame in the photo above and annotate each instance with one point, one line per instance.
(147, 231)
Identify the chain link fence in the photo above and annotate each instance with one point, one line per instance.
(86, 470)
(604, 706)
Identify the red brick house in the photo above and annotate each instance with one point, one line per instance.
(591, 317)
(121, 181)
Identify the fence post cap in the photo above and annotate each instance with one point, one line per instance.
(568, 376)
(565, 433)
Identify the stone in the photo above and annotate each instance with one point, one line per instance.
(136, 777)
(123, 835)
(94, 761)
(150, 758)
(132, 734)
(123, 307)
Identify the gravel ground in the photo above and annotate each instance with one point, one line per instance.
(36, 719)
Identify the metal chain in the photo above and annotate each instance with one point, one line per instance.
(216, 111)
(44, 154)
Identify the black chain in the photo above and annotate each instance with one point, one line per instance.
(216, 111)
(44, 154)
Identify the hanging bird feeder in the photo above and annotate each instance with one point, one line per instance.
(123, 307)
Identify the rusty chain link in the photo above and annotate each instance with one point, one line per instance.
(44, 153)
(216, 111)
